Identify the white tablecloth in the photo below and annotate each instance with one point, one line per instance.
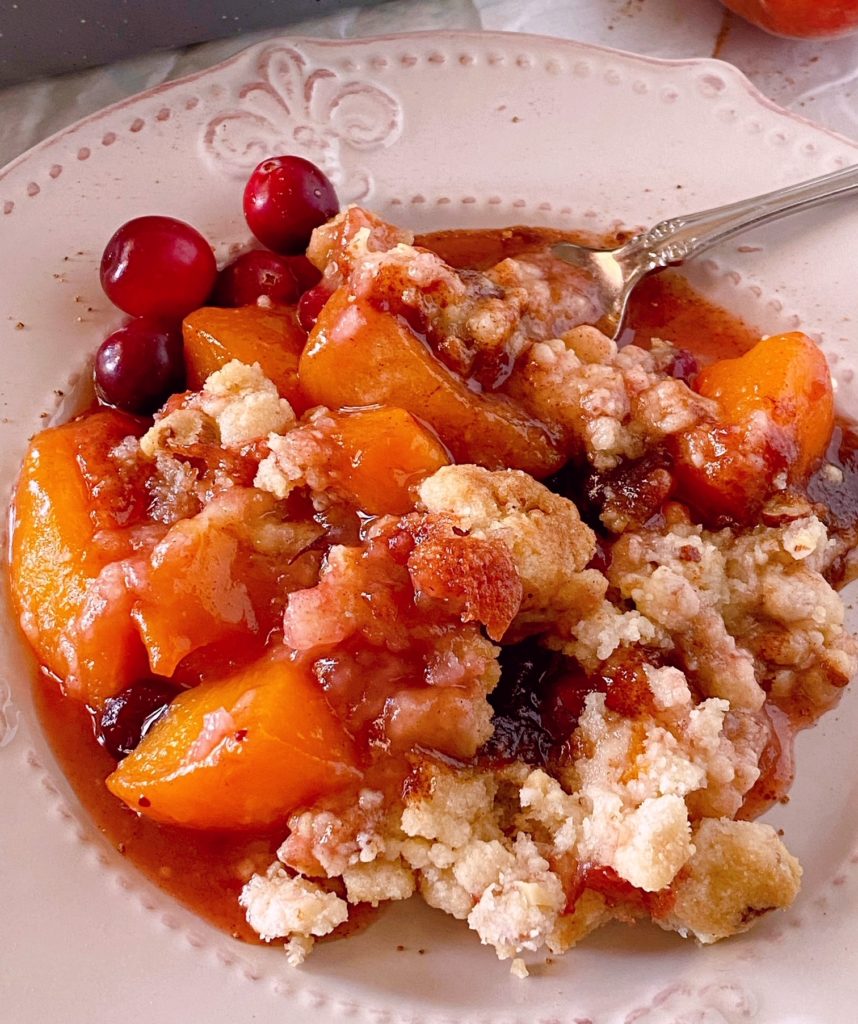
(816, 79)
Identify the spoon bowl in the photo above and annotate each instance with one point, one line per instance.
(613, 273)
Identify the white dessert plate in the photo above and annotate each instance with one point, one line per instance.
(431, 131)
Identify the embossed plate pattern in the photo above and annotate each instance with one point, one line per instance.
(432, 131)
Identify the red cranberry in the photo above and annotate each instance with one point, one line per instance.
(305, 273)
(254, 274)
(521, 730)
(285, 199)
(158, 267)
(139, 366)
(126, 718)
(311, 305)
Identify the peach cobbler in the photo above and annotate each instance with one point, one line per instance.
(390, 574)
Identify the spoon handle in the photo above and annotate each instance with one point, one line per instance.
(680, 238)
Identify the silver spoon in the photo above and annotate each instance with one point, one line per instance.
(615, 272)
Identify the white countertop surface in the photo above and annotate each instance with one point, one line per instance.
(815, 79)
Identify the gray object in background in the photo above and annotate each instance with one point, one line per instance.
(46, 37)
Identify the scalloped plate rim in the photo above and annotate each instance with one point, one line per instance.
(682, 62)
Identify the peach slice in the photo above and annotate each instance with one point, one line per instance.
(207, 579)
(374, 457)
(271, 337)
(241, 752)
(776, 416)
(69, 489)
(358, 355)
(384, 454)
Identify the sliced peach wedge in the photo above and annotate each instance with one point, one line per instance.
(775, 420)
(240, 752)
(359, 355)
(383, 454)
(271, 337)
(68, 491)
(374, 457)
(205, 582)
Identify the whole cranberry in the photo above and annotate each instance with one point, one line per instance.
(158, 267)
(310, 305)
(255, 274)
(139, 366)
(126, 718)
(285, 198)
(305, 273)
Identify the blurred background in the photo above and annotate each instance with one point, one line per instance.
(61, 60)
